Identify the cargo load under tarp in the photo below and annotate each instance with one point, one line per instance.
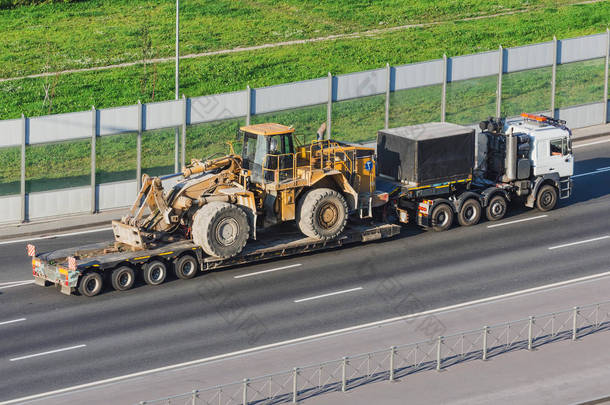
(427, 153)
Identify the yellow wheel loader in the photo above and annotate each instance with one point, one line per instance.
(221, 203)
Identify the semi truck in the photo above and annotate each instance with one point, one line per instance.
(279, 198)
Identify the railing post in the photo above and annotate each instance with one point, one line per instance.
(295, 373)
(344, 375)
(438, 353)
(183, 146)
(444, 90)
(22, 182)
(93, 165)
(195, 392)
(329, 106)
(392, 355)
(387, 95)
(485, 332)
(554, 77)
(530, 336)
(606, 76)
(245, 393)
(574, 323)
(499, 88)
(139, 148)
(248, 104)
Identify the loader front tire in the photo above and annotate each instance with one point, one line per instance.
(322, 213)
(221, 229)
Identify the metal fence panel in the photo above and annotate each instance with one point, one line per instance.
(360, 84)
(528, 57)
(583, 115)
(116, 195)
(472, 66)
(418, 74)
(583, 48)
(59, 202)
(10, 206)
(217, 107)
(163, 114)
(117, 120)
(60, 127)
(291, 95)
(10, 132)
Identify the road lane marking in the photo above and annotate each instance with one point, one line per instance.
(268, 271)
(597, 171)
(328, 294)
(579, 242)
(14, 282)
(308, 338)
(54, 236)
(4, 287)
(29, 356)
(589, 144)
(12, 321)
(516, 221)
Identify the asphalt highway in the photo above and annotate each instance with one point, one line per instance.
(50, 341)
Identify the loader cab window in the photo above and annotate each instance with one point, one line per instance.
(280, 151)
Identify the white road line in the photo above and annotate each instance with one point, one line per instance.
(589, 144)
(597, 171)
(4, 287)
(14, 282)
(516, 221)
(12, 321)
(54, 236)
(329, 294)
(579, 242)
(309, 338)
(29, 356)
(268, 271)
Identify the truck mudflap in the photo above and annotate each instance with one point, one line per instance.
(62, 277)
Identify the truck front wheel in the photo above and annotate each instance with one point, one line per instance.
(322, 214)
(442, 217)
(547, 198)
(90, 284)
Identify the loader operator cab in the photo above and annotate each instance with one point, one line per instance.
(268, 152)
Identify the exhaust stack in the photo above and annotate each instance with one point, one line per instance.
(510, 160)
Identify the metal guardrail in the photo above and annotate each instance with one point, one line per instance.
(396, 362)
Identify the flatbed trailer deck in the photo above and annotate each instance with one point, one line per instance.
(53, 268)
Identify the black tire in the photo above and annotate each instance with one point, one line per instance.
(185, 267)
(322, 213)
(122, 278)
(442, 217)
(546, 199)
(154, 273)
(496, 209)
(90, 284)
(221, 229)
(470, 212)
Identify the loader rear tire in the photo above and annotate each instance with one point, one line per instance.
(322, 214)
(221, 229)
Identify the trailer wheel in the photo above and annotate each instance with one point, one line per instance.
(154, 272)
(90, 284)
(122, 278)
(221, 229)
(442, 217)
(496, 209)
(322, 213)
(470, 212)
(185, 267)
(546, 198)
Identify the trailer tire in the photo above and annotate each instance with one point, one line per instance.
(154, 272)
(470, 212)
(185, 267)
(90, 284)
(546, 199)
(322, 214)
(122, 278)
(221, 229)
(496, 209)
(442, 217)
